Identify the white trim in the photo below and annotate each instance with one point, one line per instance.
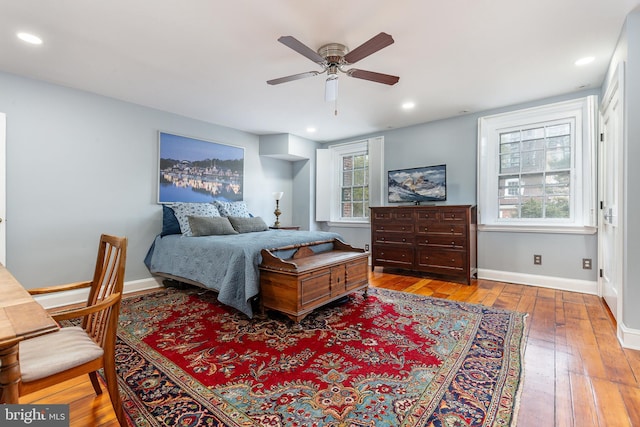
(78, 296)
(629, 338)
(352, 224)
(573, 285)
(539, 229)
(3, 189)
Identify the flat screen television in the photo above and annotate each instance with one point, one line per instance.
(425, 184)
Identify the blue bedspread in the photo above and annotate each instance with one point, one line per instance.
(227, 264)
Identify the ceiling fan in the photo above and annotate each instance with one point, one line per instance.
(334, 57)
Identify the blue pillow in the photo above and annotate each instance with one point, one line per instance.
(170, 224)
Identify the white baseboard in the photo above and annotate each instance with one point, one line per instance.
(629, 338)
(80, 295)
(573, 285)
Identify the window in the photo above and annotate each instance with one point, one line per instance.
(354, 186)
(536, 167)
(348, 180)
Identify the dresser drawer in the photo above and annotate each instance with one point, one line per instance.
(393, 256)
(427, 215)
(392, 215)
(452, 229)
(442, 259)
(393, 227)
(442, 241)
(392, 238)
(454, 215)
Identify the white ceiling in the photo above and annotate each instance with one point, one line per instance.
(210, 60)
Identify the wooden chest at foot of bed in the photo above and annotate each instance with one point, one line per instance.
(308, 280)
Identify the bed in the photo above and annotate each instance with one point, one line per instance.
(226, 263)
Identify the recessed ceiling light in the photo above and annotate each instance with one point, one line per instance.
(408, 105)
(584, 61)
(311, 129)
(29, 38)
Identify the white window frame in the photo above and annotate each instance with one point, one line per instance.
(583, 111)
(328, 180)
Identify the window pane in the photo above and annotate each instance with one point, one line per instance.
(510, 148)
(347, 180)
(509, 137)
(358, 194)
(561, 129)
(557, 207)
(346, 194)
(358, 177)
(510, 163)
(533, 161)
(531, 207)
(534, 144)
(347, 163)
(360, 161)
(509, 185)
(358, 210)
(347, 210)
(509, 207)
(537, 133)
(563, 178)
(559, 158)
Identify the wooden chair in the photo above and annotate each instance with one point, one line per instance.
(77, 350)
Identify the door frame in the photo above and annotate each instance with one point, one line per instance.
(3, 189)
(615, 87)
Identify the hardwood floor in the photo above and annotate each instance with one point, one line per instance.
(575, 371)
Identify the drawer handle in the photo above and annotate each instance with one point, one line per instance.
(382, 238)
(403, 228)
(426, 229)
(451, 229)
(426, 241)
(404, 240)
(453, 260)
(453, 243)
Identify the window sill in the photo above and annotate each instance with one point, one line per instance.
(350, 224)
(543, 229)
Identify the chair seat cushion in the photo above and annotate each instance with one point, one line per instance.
(53, 353)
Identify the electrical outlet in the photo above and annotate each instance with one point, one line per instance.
(366, 247)
(537, 259)
(586, 263)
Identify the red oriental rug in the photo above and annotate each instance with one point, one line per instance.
(385, 359)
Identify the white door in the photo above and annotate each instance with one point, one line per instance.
(3, 189)
(610, 185)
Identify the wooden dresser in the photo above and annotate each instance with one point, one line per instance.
(439, 240)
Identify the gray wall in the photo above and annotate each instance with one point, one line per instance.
(454, 142)
(79, 165)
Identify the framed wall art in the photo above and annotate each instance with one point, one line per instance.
(198, 171)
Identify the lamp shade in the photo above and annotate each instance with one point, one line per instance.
(278, 195)
(331, 89)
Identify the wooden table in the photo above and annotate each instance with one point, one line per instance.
(21, 317)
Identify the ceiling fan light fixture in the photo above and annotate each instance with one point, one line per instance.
(331, 88)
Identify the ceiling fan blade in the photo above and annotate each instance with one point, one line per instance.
(373, 76)
(293, 77)
(373, 45)
(302, 49)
